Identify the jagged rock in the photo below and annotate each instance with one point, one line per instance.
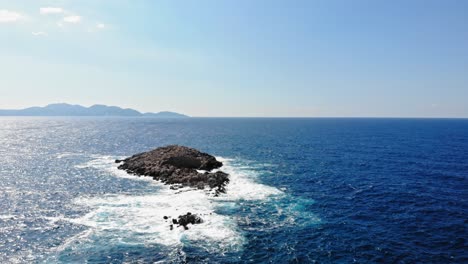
(189, 218)
(178, 165)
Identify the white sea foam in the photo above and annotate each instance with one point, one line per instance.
(243, 185)
(7, 216)
(107, 164)
(138, 219)
(66, 155)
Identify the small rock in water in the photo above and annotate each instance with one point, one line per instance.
(189, 218)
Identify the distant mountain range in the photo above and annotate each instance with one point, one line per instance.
(78, 110)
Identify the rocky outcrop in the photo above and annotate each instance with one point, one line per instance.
(184, 220)
(178, 166)
(189, 218)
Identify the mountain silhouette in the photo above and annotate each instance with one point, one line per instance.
(63, 109)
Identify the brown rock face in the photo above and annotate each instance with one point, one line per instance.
(177, 165)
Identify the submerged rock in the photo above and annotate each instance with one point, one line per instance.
(178, 166)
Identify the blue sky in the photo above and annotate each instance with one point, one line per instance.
(239, 58)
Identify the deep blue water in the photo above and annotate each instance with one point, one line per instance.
(302, 191)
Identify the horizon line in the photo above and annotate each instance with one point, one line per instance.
(239, 117)
(206, 116)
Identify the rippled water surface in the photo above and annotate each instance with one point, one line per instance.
(301, 191)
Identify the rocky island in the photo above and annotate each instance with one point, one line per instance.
(179, 166)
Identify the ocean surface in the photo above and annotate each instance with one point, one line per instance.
(301, 191)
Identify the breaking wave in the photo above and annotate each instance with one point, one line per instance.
(137, 220)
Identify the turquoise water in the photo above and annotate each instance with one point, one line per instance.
(301, 191)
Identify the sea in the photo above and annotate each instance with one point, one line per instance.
(302, 190)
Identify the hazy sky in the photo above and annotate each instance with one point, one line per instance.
(240, 57)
